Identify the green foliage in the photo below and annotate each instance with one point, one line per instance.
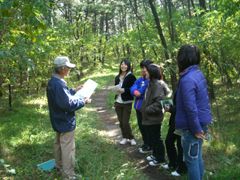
(33, 33)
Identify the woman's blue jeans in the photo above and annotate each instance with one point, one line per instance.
(192, 155)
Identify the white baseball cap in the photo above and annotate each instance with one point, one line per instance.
(63, 61)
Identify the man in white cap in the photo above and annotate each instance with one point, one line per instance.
(62, 106)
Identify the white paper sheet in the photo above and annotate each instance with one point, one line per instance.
(115, 89)
(87, 90)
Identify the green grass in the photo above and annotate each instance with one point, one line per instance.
(26, 139)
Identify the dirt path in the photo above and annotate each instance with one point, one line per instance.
(111, 130)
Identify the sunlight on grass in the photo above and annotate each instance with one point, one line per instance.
(89, 109)
(41, 101)
(102, 74)
(40, 104)
(29, 137)
(231, 149)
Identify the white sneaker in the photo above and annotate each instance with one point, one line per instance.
(165, 166)
(150, 158)
(123, 141)
(175, 173)
(144, 149)
(154, 163)
(133, 142)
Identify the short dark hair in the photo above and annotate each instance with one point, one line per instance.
(128, 63)
(145, 63)
(188, 55)
(154, 72)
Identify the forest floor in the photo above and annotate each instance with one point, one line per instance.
(112, 130)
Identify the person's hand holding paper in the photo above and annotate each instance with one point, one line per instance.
(79, 87)
(117, 89)
(87, 100)
(120, 90)
(87, 90)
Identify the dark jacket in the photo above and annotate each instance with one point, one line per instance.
(192, 101)
(173, 113)
(127, 84)
(62, 105)
(140, 85)
(151, 108)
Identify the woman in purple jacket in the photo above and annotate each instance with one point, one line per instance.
(193, 113)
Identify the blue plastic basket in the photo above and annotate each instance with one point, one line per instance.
(47, 166)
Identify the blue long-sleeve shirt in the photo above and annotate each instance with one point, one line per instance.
(140, 85)
(192, 101)
(62, 105)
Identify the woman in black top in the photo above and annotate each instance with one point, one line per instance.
(123, 100)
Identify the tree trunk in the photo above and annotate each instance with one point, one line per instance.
(94, 25)
(123, 50)
(106, 27)
(155, 52)
(163, 40)
(189, 8)
(94, 58)
(159, 28)
(174, 40)
(100, 48)
(202, 4)
(76, 32)
(170, 20)
(128, 50)
(10, 97)
(134, 6)
(117, 52)
(210, 5)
